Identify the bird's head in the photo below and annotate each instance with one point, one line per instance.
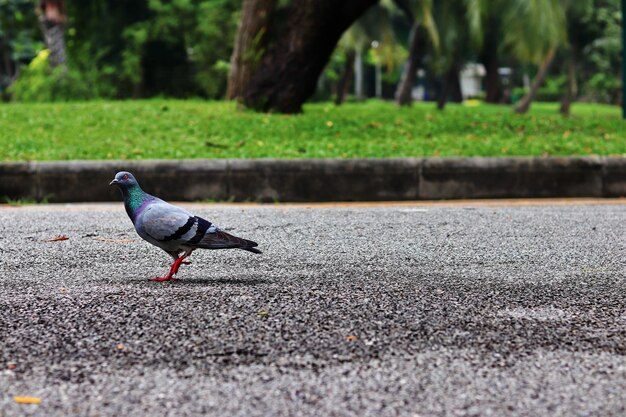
(124, 180)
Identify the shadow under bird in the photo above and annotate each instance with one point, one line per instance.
(171, 228)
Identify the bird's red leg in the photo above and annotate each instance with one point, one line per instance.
(177, 263)
(173, 270)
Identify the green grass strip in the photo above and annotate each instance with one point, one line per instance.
(174, 129)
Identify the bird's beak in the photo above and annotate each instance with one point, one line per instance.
(113, 182)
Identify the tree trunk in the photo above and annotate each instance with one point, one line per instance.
(250, 42)
(7, 72)
(52, 19)
(489, 58)
(451, 87)
(8, 65)
(571, 87)
(443, 97)
(288, 71)
(524, 103)
(344, 82)
(454, 80)
(404, 92)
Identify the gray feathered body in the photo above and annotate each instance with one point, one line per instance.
(177, 231)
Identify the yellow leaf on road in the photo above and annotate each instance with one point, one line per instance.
(27, 400)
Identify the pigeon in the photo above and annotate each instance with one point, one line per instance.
(171, 228)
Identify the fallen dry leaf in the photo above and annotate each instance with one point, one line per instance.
(27, 400)
(104, 239)
(59, 238)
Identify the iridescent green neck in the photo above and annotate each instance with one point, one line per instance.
(134, 197)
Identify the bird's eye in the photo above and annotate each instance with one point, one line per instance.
(125, 177)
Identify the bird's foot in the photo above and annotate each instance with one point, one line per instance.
(161, 279)
(173, 270)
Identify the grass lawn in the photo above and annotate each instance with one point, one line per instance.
(164, 129)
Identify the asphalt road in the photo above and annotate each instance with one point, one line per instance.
(377, 311)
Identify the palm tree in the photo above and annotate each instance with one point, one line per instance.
(373, 29)
(454, 49)
(531, 32)
(537, 42)
(576, 40)
(353, 43)
(419, 13)
(485, 25)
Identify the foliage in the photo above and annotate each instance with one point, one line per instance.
(529, 28)
(373, 36)
(531, 42)
(604, 88)
(84, 80)
(133, 48)
(213, 43)
(18, 38)
(602, 52)
(454, 42)
(17, 28)
(204, 30)
(552, 89)
(378, 39)
(159, 129)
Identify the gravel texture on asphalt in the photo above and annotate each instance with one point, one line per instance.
(396, 311)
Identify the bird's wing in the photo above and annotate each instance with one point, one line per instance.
(168, 224)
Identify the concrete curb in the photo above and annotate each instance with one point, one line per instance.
(322, 179)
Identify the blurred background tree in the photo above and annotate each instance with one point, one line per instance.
(19, 41)
(273, 55)
(133, 48)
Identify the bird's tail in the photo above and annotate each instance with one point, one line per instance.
(250, 246)
(223, 240)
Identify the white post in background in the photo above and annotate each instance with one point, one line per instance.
(358, 75)
(379, 73)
